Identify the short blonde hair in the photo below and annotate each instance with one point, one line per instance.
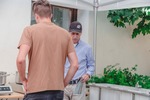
(42, 8)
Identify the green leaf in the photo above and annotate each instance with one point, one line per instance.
(120, 18)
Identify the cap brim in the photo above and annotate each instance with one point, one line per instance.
(76, 31)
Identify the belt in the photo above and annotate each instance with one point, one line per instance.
(74, 81)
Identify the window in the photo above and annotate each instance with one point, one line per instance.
(61, 16)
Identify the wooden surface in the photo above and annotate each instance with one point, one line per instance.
(13, 95)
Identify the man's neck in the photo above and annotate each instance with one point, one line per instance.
(45, 20)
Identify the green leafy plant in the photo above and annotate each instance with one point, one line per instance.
(126, 77)
(123, 17)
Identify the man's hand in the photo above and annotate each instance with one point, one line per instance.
(25, 85)
(85, 77)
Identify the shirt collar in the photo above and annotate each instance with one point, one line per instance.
(75, 45)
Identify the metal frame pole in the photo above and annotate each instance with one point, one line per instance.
(95, 8)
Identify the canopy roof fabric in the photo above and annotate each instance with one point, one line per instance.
(101, 4)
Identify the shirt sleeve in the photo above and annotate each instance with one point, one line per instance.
(25, 38)
(90, 62)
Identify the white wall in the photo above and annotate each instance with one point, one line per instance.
(83, 18)
(115, 45)
(14, 16)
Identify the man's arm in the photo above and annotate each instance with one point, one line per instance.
(90, 62)
(21, 63)
(73, 67)
(90, 65)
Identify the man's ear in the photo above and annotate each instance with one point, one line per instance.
(51, 16)
(36, 16)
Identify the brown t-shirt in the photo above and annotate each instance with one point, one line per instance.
(50, 45)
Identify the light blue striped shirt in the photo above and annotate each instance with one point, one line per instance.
(85, 60)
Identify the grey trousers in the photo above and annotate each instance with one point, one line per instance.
(70, 95)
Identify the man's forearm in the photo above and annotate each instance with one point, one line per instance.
(21, 69)
(70, 74)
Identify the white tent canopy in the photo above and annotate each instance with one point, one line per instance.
(102, 4)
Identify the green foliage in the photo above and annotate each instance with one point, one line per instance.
(120, 18)
(126, 77)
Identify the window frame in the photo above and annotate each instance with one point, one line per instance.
(73, 13)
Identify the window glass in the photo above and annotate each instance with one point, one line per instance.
(61, 16)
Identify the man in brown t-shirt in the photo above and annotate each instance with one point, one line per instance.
(47, 47)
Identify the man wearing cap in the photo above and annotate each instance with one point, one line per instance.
(86, 65)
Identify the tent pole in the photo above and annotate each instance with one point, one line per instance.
(95, 8)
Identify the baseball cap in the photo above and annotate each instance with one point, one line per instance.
(75, 27)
